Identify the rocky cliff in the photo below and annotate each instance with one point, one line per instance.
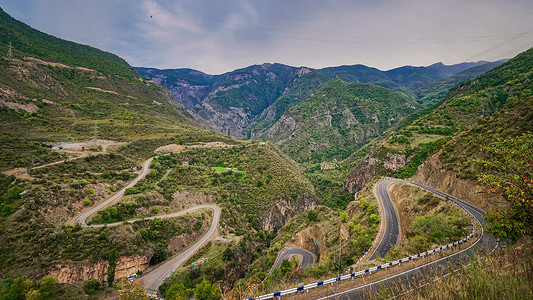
(282, 211)
(432, 174)
(126, 266)
(380, 162)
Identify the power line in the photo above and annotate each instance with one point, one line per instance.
(499, 45)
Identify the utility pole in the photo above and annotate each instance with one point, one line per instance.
(10, 51)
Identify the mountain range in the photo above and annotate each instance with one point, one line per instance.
(241, 101)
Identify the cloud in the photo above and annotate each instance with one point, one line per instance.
(219, 36)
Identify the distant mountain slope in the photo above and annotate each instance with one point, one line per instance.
(230, 101)
(465, 109)
(187, 86)
(55, 90)
(302, 86)
(415, 78)
(250, 100)
(337, 119)
(362, 74)
(437, 89)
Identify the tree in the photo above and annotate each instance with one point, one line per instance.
(312, 215)
(131, 290)
(177, 292)
(206, 291)
(91, 286)
(48, 286)
(111, 267)
(508, 171)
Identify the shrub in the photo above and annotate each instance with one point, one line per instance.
(206, 291)
(159, 255)
(363, 204)
(374, 219)
(90, 192)
(91, 286)
(312, 215)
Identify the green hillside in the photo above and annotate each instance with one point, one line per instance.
(465, 108)
(303, 85)
(338, 119)
(53, 90)
(433, 92)
(27, 41)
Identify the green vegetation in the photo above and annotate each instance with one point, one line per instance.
(20, 288)
(312, 215)
(28, 41)
(329, 185)
(338, 119)
(421, 152)
(509, 172)
(91, 286)
(298, 90)
(497, 104)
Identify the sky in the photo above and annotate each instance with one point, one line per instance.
(218, 36)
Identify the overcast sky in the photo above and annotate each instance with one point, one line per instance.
(217, 36)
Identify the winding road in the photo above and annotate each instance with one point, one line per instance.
(152, 280)
(391, 230)
(308, 258)
(82, 218)
(418, 276)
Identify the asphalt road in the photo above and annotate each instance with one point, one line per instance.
(82, 218)
(308, 258)
(152, 280)
(419, 276)
(391, 230)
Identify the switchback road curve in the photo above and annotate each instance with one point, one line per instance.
(437, 268)
(152, 280)
(308, 258)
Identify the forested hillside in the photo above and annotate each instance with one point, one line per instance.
(338, 119)
(466, 107)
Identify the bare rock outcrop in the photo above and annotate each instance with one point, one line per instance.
(370, 166)
(432, 174)
(126, 266)
(281, 212)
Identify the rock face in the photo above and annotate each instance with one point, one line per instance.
(372, 165)
(126, 266)
(282, 211)
(432, 174)
(231, 101)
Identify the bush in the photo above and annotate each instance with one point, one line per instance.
(159, 255)
(374, 219)
(206, 291)
(90, 192)
(363, 204)
(91, 286)
(312, 215)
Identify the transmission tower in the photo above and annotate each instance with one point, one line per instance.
(10, 51)
(95, 131)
